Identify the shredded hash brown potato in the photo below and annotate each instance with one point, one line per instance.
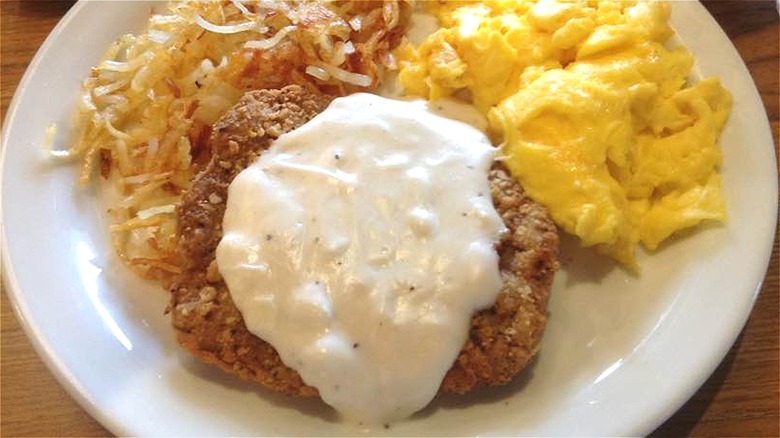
(146, 111)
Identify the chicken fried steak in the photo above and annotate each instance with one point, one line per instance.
(502, 339)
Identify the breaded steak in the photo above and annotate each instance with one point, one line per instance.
(502, 340)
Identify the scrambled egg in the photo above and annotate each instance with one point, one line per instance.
(592, 108)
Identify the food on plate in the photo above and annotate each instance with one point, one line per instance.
(163, 120)
(327, 242)
(420, 202)
(146, 110)
(203, 313)
(592, 105)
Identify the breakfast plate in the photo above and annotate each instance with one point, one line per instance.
(621, 352)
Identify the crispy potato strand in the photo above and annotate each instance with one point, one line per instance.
(145, 112)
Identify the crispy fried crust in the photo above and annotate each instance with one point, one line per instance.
(502, 341)
(207, 322)
(505, 337)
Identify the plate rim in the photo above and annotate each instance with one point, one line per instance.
(8, 276)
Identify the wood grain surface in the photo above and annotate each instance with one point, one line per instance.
(739, 399)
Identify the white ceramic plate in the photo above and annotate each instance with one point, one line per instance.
(620, 355)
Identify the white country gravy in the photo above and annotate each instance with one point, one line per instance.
(360, 245)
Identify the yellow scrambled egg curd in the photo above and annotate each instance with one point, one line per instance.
(592, 107)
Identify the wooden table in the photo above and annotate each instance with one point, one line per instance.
(740, 399)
